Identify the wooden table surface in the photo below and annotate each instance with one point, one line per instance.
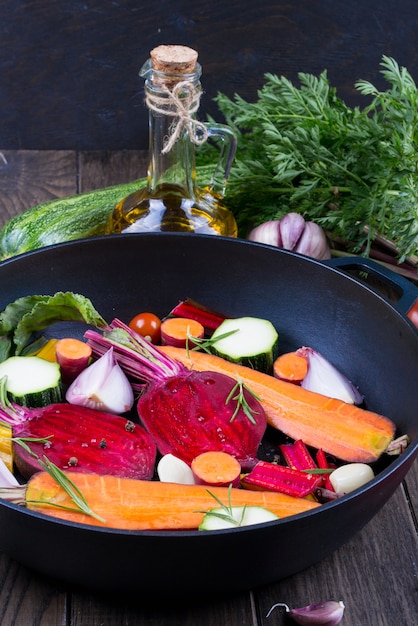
(375, 573)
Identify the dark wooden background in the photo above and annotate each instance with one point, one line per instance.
(69, 69)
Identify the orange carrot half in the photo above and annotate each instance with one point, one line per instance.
(148, 505)
(344, 430)
(73, 356)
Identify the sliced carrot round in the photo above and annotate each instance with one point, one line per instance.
(217, 469)
(291, 367)
(177, 331)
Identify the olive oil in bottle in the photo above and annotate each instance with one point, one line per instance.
(172, 201)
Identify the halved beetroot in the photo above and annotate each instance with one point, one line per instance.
(188, 414)
(82, 439)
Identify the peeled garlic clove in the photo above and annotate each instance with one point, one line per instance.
(268, 233)
(291, 228)
(171, 469)
(328, 613)
(313, 242)
(349, 477)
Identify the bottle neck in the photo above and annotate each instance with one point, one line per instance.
(175, 166)
(173, 131)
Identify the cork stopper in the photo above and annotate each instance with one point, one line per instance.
(174, 59)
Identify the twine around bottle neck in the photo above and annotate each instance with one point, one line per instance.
(181, 102)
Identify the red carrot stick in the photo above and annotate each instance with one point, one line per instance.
(191, 309)
(297, 456)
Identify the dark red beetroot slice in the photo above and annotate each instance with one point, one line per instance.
(187, 414)
(85, 440)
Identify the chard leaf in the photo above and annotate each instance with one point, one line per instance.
(13, 313)
(5, 348)
(30, 314)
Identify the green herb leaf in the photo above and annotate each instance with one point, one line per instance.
(226, 512)
(351, 170)
(206, 344)
(27, 315)
(237, 394)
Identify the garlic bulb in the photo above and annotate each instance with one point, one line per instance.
(293, 233)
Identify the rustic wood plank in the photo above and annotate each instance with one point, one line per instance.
(374, 574)
(411, 485)
(213, 611)
(109, 167)
(29, 177)
(28, 600)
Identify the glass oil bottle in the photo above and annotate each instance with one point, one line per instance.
(171, 200)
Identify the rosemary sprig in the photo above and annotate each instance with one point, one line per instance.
(206, 343)
(237, 394)
(70, 489)
(63, 480)
(226, 514)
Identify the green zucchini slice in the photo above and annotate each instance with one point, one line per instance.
(231, 517)
(251, 341)
(32, 381)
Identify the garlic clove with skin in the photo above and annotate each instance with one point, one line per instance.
(268, 233)
(313, 242)
(328, 613)
(321, 613)
(292, 227)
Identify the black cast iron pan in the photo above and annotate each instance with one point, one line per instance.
(310, 303)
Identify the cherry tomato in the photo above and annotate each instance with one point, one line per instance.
(147, 325)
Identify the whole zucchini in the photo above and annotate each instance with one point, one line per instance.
(65, 219)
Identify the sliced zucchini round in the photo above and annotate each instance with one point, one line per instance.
(235, 516)
(249, 341)
(32, 381)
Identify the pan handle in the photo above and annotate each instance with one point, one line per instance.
(407, 304)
